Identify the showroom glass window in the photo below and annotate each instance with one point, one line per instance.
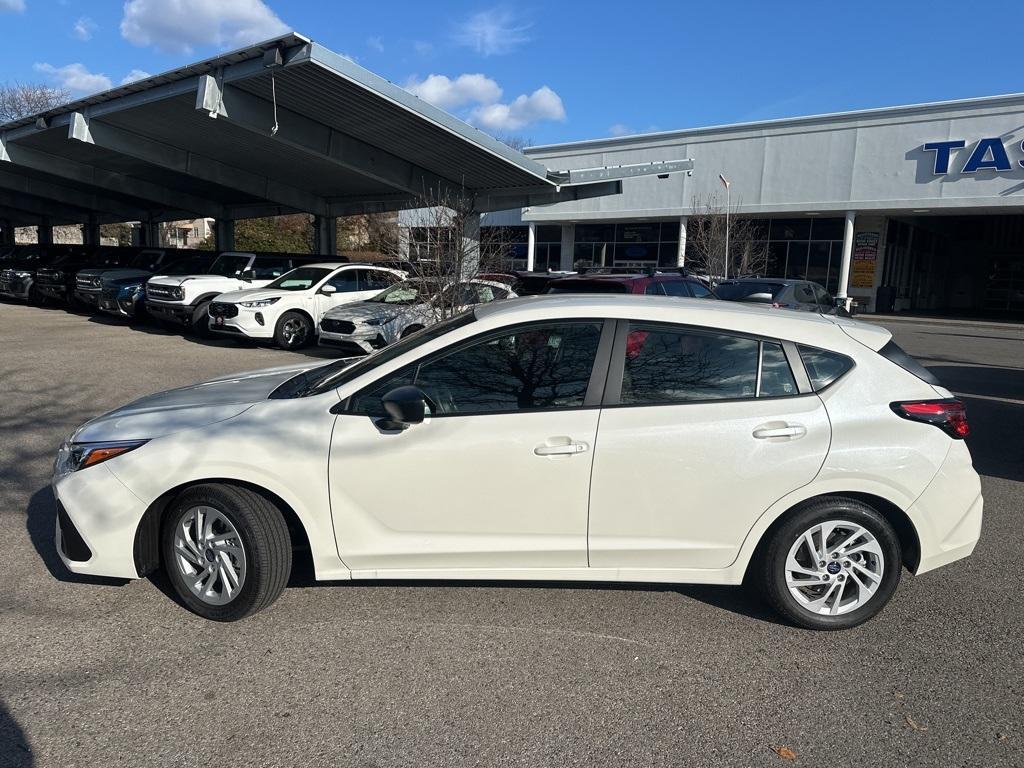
(665, 365)
(530, 368)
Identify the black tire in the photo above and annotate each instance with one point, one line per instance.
(264, 539)
(769, 568)
(200, 325)
(410, 331)
(293, 331)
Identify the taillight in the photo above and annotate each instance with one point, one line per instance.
(948, 415)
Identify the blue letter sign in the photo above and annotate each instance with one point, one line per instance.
(941, 150)
(998, 162)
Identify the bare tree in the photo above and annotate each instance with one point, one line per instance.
(518, 143)
(447, 249)
(19, 100)
(706, 239)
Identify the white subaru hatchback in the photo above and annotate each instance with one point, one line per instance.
(657, 440)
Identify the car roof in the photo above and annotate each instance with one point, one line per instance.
(779, 280)
(804, 327)
(327, 264)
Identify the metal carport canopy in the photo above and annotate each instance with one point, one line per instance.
(279, 127)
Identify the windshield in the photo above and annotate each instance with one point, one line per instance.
(407, 292)
(229, 265)
(741, 291)
(191, 266)
(301, 279)
(147, 260)
(333, 375)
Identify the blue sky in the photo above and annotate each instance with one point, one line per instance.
(559, 71)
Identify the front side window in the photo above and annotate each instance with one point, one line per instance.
(654, 289)
(676, 288)
(227, 265)
(536, 367)
(345, 281)
(674, 365)
(301, 279)
(700, 292)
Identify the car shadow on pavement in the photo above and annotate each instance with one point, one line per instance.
(996, 421)
(15, 751)
(41, 522)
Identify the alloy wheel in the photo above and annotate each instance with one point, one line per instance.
(209, 555)
(294, 331)
(834, 567)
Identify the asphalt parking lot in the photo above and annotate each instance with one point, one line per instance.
(102, 673)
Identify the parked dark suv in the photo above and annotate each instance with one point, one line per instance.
(651, 283)
(57, 282)
(18, 276)
(802, 295)
(148, 261)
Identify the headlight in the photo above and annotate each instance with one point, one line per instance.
(128, 291)
(20, 274)
(260, 302)
(379, 320)
(75, 456)
(177, 293)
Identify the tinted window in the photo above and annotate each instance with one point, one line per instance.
(823, 367)
(894, 353)
(804, 294)
(270, 268)
(825, 300)
(741, 291)
(588, 286)
(229, 265)
(376, 280)
(676, 288)
(776, 376)
(665, 365)
(534, 367)
(654, 289)
(345, 281)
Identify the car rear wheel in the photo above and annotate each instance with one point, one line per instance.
(293, 331)
(833, 564)
(226, 550)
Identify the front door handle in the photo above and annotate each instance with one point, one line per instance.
(565, 449)
(790, 430)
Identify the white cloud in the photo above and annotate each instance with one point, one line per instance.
(542, 104)
(620, 130)
(84, 28)
(376, 44)
(178, 26)
(448, 94)
(75, 77)
(493, 33)
(14, 6)
(135, 74)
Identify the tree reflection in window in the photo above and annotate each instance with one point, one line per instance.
(666, 366)
(533, 368)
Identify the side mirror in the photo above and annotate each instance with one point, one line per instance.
(248, 274)
(328, 289)
(405, 406)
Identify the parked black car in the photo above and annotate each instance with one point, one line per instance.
(126, 296)
(18, 277)
(56, 282)
(89, 282)
(785, 293)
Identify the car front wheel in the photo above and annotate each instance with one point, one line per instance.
(293, 331)
(833, 564)
(226, 551)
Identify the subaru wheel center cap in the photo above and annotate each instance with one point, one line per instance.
(833, 568)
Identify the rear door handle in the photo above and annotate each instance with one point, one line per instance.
(560, 450)
(790, 430)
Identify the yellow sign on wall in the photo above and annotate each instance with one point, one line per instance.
(865, 254)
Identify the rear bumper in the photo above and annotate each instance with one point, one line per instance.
(949, 513)
(97, 517)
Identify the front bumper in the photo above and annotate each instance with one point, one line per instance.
(16, 287)
(51, 291)
(97, 517)
(181, 314)
(119, 306)
(247, 323)
(89, 297)
(363, 340)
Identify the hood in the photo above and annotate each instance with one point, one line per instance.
(188, 407)
(94, 271)
(364, 310)
(117, 273)
(255, 294)
(180, 279)
(122, 281)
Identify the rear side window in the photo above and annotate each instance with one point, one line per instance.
(655, 289)
(823, 367)
(894, 353)
(699, 291)
(675, 288)
(776, 376)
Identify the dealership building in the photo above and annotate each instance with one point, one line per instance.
(915, 208)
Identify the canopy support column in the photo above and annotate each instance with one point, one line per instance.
(325, 235)
(568, 246)
(844, 269)
(45, 232)
(531, 247)
(224, 234)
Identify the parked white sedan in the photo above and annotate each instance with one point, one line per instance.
(656, 440)
(289, 309)
(402, 309)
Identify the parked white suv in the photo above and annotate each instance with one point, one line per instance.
(288, 310)
(402, 309)
(657, 439)
(185, 299)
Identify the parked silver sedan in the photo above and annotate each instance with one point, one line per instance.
(404, 308)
